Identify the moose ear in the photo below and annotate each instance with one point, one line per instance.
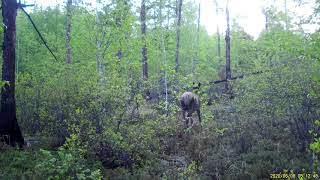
(199, 84)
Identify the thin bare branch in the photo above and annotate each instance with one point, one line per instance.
(41, 37)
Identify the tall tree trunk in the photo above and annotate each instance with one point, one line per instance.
(178, 33)
(266, 19)
(228, 67)
(99, 63)
(99, 51)
(218, 32)
(164, 42)
(68, 32)
(198, 42)
(199, 10)
(164, 55)
(219, 42)
(286, 14)
(159, 52)
(122, 6)
(145, 74)
(8, 122)
(144, 43)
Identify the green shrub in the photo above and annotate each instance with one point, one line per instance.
(67, 163)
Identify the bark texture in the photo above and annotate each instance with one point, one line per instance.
(178, 33)
(9, 128)
(144, 43)
(68, 33)
(228, 67)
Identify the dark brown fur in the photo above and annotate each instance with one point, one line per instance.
(190, 103)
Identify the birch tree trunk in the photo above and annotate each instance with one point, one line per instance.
(178, 33)
(218, 32)
(99, 53)
(265, 13)
(68, 32)
(198, 42)
(228, 67)
(286, 14)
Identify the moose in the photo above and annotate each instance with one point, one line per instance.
(190, 103)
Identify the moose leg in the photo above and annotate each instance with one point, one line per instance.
(198, 112)
(185, 116)
(189, 117)
(187, 121)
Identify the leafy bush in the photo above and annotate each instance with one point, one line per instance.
(67, 163)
